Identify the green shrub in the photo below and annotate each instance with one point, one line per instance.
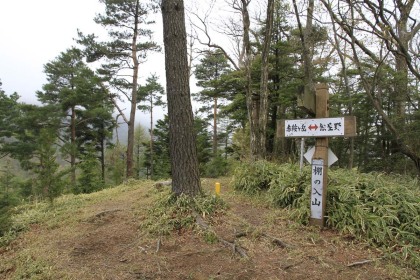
(254, 177)
(216, 167)
(382, 209)
(287, 185)
(89, 179)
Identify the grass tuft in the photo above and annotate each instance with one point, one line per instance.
(175, 213)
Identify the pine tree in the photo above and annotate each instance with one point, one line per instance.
(8, 198)
(126, 22)
(151, 95)
(161, 159)
(90, 179)
(75, 93)
(208, 73)
(8, 114)
(48, 182)
(141, 141)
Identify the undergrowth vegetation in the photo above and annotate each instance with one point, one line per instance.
(176, 213)
(381, 209)
(65, 208)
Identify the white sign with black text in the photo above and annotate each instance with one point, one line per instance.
(317, 188)
(322, 127)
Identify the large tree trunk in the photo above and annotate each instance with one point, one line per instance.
(133, 102)
(183, 150)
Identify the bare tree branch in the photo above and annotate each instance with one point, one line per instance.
(209, 42)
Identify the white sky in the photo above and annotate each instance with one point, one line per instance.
(33, 33)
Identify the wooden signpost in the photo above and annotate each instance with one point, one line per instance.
(322, 127)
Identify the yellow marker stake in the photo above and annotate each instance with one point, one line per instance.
(217, 188)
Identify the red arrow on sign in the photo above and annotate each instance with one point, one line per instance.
(313, 126)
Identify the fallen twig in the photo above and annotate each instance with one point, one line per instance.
(159, 242)
(359, 263)
(291, 265)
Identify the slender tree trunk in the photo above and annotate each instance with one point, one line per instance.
(307, 46)
(399, 142)
(342, 57)
(279, 144)
(132, 122)
(73, 146)
(263, 110)
(215, 127)
(401, 83)
(102, 160)
(182, 143)
(395, 41)
(138, 160)
(252, 100)
(151, 137)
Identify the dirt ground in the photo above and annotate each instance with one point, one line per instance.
(106, 240)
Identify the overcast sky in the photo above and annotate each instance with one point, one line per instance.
(35, 32)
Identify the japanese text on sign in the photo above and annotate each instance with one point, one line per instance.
(314, 127)
(317, 188)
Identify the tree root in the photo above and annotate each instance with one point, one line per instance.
(235, 248)
(276, 241)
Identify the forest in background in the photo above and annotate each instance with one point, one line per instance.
(251, 67)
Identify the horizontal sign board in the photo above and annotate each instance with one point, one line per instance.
(314, 127)
(322, 127)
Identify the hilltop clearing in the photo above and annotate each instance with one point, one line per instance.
(105, 235)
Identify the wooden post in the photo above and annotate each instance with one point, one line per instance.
(320, 157)
(322, 127)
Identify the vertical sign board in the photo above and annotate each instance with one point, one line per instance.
(317, 188)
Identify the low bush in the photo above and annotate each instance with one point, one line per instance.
(254, 177)
(382, 209)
